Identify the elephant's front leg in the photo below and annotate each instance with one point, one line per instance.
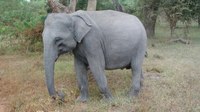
(81, 74)
(97, 67)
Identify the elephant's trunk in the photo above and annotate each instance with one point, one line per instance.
(50, 56)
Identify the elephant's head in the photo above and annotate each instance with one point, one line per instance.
(62, 32)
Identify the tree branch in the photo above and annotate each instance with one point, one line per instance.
(181, 40)
(91, 5)
(57, 7)
(118, 6)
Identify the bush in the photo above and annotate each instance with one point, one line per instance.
(22, 20)
(33, 38)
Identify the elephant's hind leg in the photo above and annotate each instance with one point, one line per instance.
(137, 75)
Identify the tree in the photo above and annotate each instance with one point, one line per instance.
(118, 6)
(64, 2)
(91, 5)
(175, 10)
(199, 20)
(149, 14)
(55, 6)
(62, 6)
(172, 9)
(180, 10)
(195, 7)
(73, 5)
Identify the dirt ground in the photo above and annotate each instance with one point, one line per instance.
(13, 71)
(4, 106)
(171, 84)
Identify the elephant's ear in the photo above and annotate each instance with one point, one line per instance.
(82, 25)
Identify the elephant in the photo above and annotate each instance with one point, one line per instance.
(99, 40)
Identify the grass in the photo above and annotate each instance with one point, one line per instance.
(171, 82)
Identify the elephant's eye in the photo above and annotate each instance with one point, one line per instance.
(58, 41)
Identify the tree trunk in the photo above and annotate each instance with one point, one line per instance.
(199, 21)
(172, 18)
(150, 14)
(150, 27)
(91, 5)
(118, 6)
(56, 7)
(73, 5)
(64, 2)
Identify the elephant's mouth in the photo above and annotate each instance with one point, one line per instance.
(56, 58)
(61, 52)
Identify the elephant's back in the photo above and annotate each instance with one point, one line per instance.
(114, 22)
(118, 26)
(108, 14)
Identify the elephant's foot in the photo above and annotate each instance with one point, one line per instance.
(107, 96)
(59, 96)
(133, 92)
(107, 99)
(82, 98)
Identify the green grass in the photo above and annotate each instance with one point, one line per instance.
(171, 83)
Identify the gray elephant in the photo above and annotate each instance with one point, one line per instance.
(99, 40)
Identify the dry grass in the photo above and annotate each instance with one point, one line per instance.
(171, 71)
(171, 84)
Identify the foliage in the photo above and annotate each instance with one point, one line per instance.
(17, 17)
(104, 5)
(101, 5)
(131, 6)
(81, 5)
(194, 6)
(180, 10)
(148, 11)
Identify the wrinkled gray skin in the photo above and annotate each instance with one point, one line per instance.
(99, 40)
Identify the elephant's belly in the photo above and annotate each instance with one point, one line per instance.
(119, 50)
(117, 62)
(119, 56)
(118, 66)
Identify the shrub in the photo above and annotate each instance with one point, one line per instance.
(22, 21)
